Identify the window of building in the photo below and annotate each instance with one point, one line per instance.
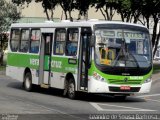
(35, 38)
(15, 38)
(59, 45)
(72, 41)
(24, 40)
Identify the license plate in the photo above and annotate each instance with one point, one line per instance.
(125, 88)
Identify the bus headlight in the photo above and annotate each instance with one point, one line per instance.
(98, 77)
(148, 80)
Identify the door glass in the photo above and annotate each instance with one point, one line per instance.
(47, 52)
(47, 45)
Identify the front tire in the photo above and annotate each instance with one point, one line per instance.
(71, 89)
(28, 82)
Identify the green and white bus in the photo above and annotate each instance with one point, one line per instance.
(89, 56)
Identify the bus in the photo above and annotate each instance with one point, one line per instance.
(102, 57)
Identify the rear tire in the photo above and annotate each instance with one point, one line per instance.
(71, 89)
(28, 82)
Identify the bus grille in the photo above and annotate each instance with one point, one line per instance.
(111, 81)
(117, 89)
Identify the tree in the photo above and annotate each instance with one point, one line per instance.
(68, 6)
(151, 10)
(49, 5)
(155, 12)
(123, 9)
(8, 14)
(107, 7)
(21, 2)
(83, 7)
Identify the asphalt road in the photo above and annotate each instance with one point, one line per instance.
(49, 104)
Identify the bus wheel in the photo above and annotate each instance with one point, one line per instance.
(71, 89)
(28, 82)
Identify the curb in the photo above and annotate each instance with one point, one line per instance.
(2, 72)
(155, 76)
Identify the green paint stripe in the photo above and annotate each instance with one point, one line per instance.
(58, 64)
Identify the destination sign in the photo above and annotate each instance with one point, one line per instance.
(130, 35)
(108, 33)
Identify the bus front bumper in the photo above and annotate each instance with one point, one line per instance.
(95, 86)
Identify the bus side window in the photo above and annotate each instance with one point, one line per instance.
(15, 38)
(59, 44)
(35, 38)
(72, 41)
(24, 40)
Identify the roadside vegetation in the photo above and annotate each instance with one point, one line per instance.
(156, 67)
(9, 14)
(2, 68)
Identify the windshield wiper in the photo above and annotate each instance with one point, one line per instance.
(120, 53)
(135, 60)
(124, 54)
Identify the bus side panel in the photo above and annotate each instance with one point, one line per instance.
(18, 73)
(35, 76)
(18, 62)
(57, 80)
(15, 72)
(59, 69)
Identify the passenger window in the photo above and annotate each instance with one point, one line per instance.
(72, 41)
(24, 40)
(15, 38)
(59, 45)
(35, 38)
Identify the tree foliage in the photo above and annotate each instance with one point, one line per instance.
(68, 6)
(83, 6)
(107, 7)
(8, 14)
(151, 9)
(21, 2)
(48, 5)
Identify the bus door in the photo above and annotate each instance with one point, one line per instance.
(45, 59)
(84, 58)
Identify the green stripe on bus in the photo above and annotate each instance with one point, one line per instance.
(58, 64)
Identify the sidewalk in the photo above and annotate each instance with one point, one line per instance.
(156, 76)
(156, 66)
(3, 72)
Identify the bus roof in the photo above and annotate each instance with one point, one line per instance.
(70, 24)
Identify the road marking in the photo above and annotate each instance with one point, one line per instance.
(97, 106)
(42, 106)
(148, 95)
(123, 108)
(153, 100)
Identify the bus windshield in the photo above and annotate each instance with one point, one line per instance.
(122, 48)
